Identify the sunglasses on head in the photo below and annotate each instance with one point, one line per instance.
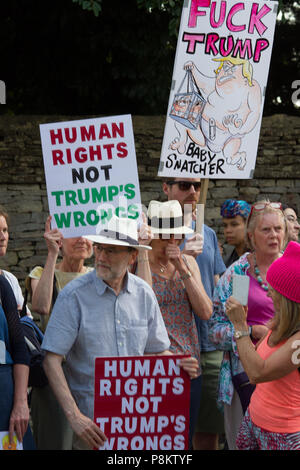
(260, 206)
(186, 185)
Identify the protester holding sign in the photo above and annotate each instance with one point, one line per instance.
(266, 231)
(272, 421)
(50, 427)
(176, 281)
(108, 312)
(205, 250)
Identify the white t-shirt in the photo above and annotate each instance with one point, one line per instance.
(16, 290)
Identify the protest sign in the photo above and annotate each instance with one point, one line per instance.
(142, 403)
(4, 442)
(91, 173)
(218, 88)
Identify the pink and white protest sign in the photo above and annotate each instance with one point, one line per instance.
(91, 173)
(142, 402)
(218, 88)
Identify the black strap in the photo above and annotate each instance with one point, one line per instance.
(23, 312)
(55, 291)
(170, 222)
(118, 236)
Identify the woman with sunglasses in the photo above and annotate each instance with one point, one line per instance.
(176, 281)
(272, 420)
(265, 233)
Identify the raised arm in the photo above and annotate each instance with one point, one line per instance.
(283, 361)
(42, 289)
(200, 301)
(145, 236)
(190, 274)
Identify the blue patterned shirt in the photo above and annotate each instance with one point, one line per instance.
(221, 330)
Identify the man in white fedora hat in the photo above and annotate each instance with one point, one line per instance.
(107, 312)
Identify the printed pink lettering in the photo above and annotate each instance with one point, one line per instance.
(233, 11)
(213, 22)
(210, 47)
(255, 19)
(195, 12)
(261, 44)
(192, 40)
(226, 51)
(242, 49)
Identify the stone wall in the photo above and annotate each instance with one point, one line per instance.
(23, 191)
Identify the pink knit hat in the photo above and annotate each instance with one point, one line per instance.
(284, 274)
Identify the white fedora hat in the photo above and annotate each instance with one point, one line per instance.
(119, 231)
(166, 217)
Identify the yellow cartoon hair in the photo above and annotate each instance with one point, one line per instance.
(247, 67)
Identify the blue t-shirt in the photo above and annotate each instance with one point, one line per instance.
(210, 263)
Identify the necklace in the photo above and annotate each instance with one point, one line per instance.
(163, 267)
(263, 284)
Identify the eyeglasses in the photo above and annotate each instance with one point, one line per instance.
(109, 251)
(185, 185)
(260, 206)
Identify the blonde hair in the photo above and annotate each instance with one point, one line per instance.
(256, 215)
(286, 321)
(247, 70)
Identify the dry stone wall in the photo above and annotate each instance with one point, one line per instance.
(23, 190)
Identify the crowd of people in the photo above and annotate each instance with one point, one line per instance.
(162, 288)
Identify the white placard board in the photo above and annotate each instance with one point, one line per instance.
(91, 173)
(218, 88)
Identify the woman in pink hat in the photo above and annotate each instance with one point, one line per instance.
(272, 420)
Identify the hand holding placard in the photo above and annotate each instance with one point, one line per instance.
(142, 403)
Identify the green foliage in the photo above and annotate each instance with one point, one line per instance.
(91, 5)
(109, 57)
(285, 57)
(172, 7)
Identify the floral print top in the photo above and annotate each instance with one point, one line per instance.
(221, 330)
(177, 314)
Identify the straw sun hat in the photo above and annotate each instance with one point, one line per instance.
(119, 231)
(166, 217)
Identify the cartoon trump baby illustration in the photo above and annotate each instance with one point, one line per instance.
(233, 101)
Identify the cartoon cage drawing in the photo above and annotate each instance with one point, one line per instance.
(187, 107)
